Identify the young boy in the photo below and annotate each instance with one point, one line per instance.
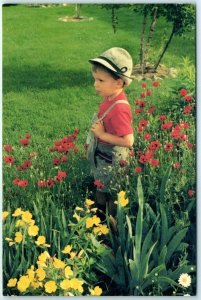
(111, 71)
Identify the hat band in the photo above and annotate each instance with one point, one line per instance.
(119, 71)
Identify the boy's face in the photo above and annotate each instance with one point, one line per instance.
(105, 85)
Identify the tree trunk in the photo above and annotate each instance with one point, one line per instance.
(77, 10)
(151, 32)
(144, 23)
(165, 48)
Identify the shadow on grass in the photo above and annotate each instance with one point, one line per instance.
(42, 77)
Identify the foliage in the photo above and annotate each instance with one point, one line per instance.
(144, 255)
(60, 248)
(45, 171)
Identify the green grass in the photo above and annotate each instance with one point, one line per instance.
(47, 83)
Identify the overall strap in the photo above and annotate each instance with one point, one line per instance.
(111, 107)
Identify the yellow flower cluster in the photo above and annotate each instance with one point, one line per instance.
(52, 275)
(26, 225)
(123, 201)
(67, 283)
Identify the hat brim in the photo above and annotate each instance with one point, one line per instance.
(126, 78)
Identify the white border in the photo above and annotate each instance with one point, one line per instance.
(198, 36)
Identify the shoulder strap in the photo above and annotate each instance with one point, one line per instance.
(111, 107)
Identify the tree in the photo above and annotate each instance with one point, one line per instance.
(181, 16)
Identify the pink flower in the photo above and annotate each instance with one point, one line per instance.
(191, 193)
(23, 183)
(98, 184)
(162, 118)
(144, 85)
(183, 92)
(168, 147)
(155, 83)
(16, 181)
(188, 98)
(9, 159)
(24, 142)
(8, 148)
(62, 174)
(154, 162)
(177, 165)
(138, 169)
(147, 136)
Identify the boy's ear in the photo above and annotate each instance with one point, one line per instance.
(120, 82)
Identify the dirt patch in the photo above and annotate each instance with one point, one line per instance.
(75, 19)
(161, 72)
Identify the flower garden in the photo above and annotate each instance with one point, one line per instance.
(53, 241)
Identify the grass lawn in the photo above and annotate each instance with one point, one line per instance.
(47, 83)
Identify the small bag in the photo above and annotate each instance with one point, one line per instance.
(91, 140)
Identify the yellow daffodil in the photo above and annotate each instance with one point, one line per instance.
(104, 229)
(40, 240)
(96, 229)
(33, 230)
(12, 282)
(50, 287)
(65, 284)
(4, 215)
(20, 223)
(89, 202)
(72, 254)
(97, 291)
(122, 200)
(68, 272)
(76, 216)
(40, 274)
(23, 283)
(76, 284)
(18, 237)
(27, 216)
(96, 220)
(79, 208)
(80, 253)
(35, 284)
(89, 222)
(42, 258)
(31, 274)
(8, 239)
(67, 249)
(17, 212)
(58, 264)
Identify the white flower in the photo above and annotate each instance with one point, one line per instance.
(185, 280)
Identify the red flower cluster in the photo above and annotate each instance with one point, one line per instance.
(26, 140)
(98, 184)
(26, 165)
(66, 143)
(59, 160)
(9, 159)
(20, 182)
(7, 148)
(50, 182)
(187, 98)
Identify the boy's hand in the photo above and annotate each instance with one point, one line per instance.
(98, 129)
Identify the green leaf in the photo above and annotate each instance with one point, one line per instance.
(168, 281)
(164, 182)
(175, 242)
(164, 227)
(151, 275)
(139, 224)
(134, 271)
(144, 266)
(162, 256)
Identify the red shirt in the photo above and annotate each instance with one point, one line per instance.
(119, 120)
